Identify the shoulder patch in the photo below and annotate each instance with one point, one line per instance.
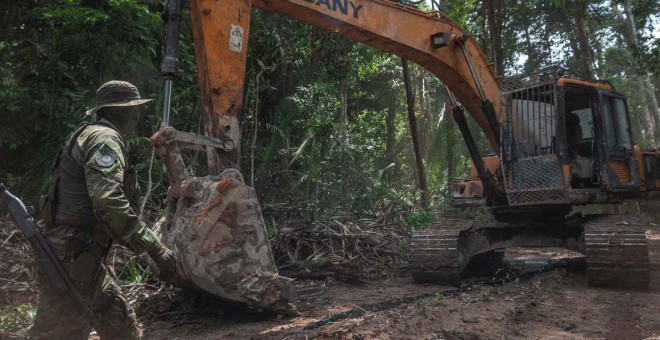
(106, 158)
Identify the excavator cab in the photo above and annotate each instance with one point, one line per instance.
(580, 136)
(565, 141)
(603, 157)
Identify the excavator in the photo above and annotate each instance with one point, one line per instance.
(556, 142)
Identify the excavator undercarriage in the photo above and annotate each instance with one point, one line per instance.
(614, 247)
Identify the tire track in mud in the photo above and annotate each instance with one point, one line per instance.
(374, 307)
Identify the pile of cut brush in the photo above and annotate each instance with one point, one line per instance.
(18, 292)
(348, 251)
(17, 269)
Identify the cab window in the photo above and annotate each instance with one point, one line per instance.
(615, 120)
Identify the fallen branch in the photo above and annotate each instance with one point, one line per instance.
(351, 252)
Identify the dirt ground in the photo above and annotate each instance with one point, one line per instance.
(553, 304)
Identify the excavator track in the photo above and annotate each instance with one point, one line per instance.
(616, 252)
(434, 252)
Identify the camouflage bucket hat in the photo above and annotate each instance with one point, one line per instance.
(117, 93)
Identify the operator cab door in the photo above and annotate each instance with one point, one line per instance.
(618, 169)
(582, 136)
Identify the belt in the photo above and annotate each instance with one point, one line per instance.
(85, 244)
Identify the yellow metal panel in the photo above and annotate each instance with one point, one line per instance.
(600, 86)
(491, 162)
(220, 30)
(621, 169)
(640, 163)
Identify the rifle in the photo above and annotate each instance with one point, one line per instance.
(50, 265)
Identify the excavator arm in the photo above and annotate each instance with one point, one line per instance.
(214, 223)
(221, 30)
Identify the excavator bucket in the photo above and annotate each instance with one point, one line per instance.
(215, 226)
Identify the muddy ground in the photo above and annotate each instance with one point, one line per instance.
(554, 304)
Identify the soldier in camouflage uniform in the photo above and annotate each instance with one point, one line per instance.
(90, 204)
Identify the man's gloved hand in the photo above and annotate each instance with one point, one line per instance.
(165, 260)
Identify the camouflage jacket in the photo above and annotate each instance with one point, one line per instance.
(99, 155)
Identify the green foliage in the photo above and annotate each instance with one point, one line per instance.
(460, 12)
(467, 298)
(53, 55)
(50, 79)
(440, 299)
(485, 293)
(132, 273)
(420, 219)
(16, 319)
(420, 304)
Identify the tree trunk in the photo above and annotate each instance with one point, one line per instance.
(584, 54)
(255, 126)
(451, 155)
(654, 110)
(649, 130)
(425, 122)
(442, 4)
(343, 135)
(389, 141)
(412, 121)
(647, 86)
(649, 105)
(533, 61)
(495, 17)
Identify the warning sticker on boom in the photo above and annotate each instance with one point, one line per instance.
(236, 38)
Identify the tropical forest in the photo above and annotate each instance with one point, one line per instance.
(350, 155)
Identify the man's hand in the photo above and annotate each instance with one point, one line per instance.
(165, 260)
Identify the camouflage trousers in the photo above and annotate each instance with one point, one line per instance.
(58, 317)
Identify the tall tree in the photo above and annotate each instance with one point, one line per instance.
(584, 52)
(649, 107)
(414, 134)
(495, 12)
